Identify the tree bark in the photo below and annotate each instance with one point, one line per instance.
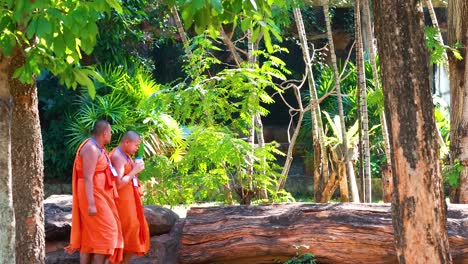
(232, 48)
(334, 233)
(27, 162)
(367, 190)
(419, 210)
(458, 33)
(179, 25)
(7, 215)
(349, 167)
(370, 47)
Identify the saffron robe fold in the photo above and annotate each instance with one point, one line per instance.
(101, 233)
(134, 225)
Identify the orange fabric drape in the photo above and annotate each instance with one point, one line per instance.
(102, 233)
(134, 226)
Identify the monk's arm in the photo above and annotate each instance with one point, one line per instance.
(89, 155)
(119, 164)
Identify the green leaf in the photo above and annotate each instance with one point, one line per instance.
(267, 38)
(43, 27)
(7, 43)
(245, 24)
(254, 4)
(5, 22)
(70, 41)
(59, 45)
(116, 5)
(197, 5)
(84, 80)
(217, 6)
(32, 28)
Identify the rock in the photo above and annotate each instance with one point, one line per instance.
(57, 217)
(62, 257)
(164, 248)
(160, 220)
(57, 211)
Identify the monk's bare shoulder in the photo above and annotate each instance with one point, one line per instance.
(118, 159)
(89, 150)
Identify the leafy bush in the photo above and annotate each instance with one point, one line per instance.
(217, 105)
(306, 258)
(213, 168)
(130, 99)
(54, 103)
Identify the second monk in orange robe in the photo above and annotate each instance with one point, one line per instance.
(134, 226)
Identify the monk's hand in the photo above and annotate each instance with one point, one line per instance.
(92, 211)
(139, 166)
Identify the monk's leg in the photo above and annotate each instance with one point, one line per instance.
(85, 258)
(99, 259)
(126, 258)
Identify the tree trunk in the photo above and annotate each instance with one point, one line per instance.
(458, 33)
(334, 233)
(27, 162)
(362, 81)
(351, 177)
(419, 212)
(7, 215)
(179, 25)
(321, 173)
(387, 184)
(292, 143)
(370, 47)
(232, 48)
(387, 175)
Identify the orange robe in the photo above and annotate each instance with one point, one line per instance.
(102, 233)
(134, 226)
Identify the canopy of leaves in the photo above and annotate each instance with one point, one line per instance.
(52, 34)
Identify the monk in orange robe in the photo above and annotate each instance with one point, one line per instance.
(96, 230)
(134, 226)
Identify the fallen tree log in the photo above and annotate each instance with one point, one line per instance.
(334, 233)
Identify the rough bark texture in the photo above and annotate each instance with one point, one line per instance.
(7, 216)
(375, 76)
(27, 161)
(334, 233)
(419, 213)
(458, 33)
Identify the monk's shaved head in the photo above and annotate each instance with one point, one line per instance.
(131, 136)
(100, 127)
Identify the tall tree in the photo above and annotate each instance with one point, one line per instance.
(349, 167)
(27, 161)
(36, 36)
(318, 139)
(362, 90)
(7, 217)
(419, 211)
(369, 46)
(458, 33)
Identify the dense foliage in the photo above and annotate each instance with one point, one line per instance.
(195, 115)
